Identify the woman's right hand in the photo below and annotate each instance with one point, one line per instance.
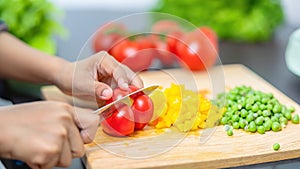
(45, 134)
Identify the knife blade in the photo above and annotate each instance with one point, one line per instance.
(104, 112)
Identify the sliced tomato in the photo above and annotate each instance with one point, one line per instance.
(142, 109)
(121, 123)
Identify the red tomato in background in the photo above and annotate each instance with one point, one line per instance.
(211, 35)
(167, 46)
(107, 35)
(196, 52)
(121, 123)
(145, 41)
(172, 39)
(129, 53)
(162, 52)
(143, 111)
(165, 26)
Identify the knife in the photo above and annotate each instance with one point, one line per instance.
(103, 111)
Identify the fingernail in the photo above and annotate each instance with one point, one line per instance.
(124, 85)
(106, 93)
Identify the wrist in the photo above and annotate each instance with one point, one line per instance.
(5, 139)
(62, 75)
(57, 70)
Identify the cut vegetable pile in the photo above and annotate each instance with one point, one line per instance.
(254, 111)
(182, 108)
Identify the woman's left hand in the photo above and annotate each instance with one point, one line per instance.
(95, 77)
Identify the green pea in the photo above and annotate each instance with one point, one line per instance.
(259, 121)
(254, 108)
(276, 146)
(240, 106)
(269, 107)
(235, 118)
(261, 129)
(249, 118)
(229, 132)
(244, 113)
(248, 106)
(242, 123)
(270, 95)
(278, 115)
(235, 107)
(252, 127)
(262, 107)
(268, 125)
(236, 125)
(276, 108)
(250, 100)
(224, 120)
(283, 109)
(288, 115)
(264, 100)
(276, 126)
(291, 109)
(259, 112)
(283, 120)
(266, 118)
(274, 119)
(266, 113)
(295, 119)
(257, 98)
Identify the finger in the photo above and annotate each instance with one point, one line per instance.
(88, 123)
(89, 132)
(135, 80)
(103, 91)
(75, 142)
(65, 156)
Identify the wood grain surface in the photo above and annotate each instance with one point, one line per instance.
(209, 148)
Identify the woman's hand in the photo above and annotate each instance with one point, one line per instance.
(94, 77)
(43, 134)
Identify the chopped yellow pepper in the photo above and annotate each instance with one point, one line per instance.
(186, 110)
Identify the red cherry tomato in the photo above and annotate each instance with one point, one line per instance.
(125, 119)
(107, 35)
(143, 110)
(121, 123)
(129, 53)
(196, 52)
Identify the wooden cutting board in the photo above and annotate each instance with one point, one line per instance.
(210, 148)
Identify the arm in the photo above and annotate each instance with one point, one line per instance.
(86, 78)
(21, 62)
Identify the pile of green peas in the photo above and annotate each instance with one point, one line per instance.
(254, 111)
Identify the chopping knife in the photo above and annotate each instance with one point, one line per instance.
(103, 111)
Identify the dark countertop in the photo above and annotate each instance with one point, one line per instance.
(266, 59)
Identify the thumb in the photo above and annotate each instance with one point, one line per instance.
(103, 91)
